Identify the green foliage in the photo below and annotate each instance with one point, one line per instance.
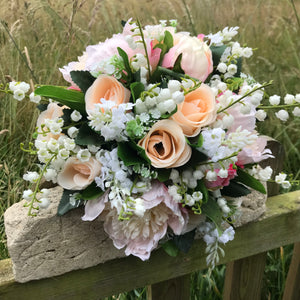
(70, 98)
(212, 210)
(250, 181)
(136, 89)
(64, 204)
(87, 136)
(83, 79)
(235, 189)
(91, 192)
(132, 154)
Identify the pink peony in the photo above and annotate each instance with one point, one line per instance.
(141, 235)
(255, 152)
(196, 56)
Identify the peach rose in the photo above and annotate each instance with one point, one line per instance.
(196, 56)
(165, 145)
(52, 112)
(77, 175)
(106, 87)
(197, 110)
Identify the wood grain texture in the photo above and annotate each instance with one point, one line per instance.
(173, 289)
(243, 279)
(278, 227)
(292, 284)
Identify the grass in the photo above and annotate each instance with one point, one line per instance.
(56, 32)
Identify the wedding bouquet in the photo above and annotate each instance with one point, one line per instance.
(154, 131)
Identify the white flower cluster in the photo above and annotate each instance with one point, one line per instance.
(160, 101)
(281, 179)
(217, 145)
(43, 201)
(188, 180)
(212, 239)
(219, 38)
(261, 174)
(289, 100)
(19, 89)
(113, 66)
(54, 125)
(111, 120)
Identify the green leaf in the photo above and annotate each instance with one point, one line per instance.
(42, 107)
(217, 52)
(196, 158)
(212, 210)
(170, 248)
(184, 242)
(250, 181)
(87, 136)
(168, 40)
(200, 141)
(132, 154)
(91, 192)
(65, 205)
(136, 89)
(70, 98)
(177, 66)
(83, 79)
(124, 56)
(203, 189)
(235, 189)
(163, 174)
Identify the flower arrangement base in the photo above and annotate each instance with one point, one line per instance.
(250, 207)
(48, 245)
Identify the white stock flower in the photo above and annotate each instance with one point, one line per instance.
(76, 116)
(84, 155)
(232, 69)
(19, 95)
(27, 195)
(296, 111)
(260, 115)
(289, 99)
(211, 176)
(72, 132)
(31, 176)
(44, 203)
(282, 114)
(265, 174)
(274, 100)
(222, 67)
(35, 98)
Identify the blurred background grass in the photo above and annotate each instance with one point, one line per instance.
(56, 32)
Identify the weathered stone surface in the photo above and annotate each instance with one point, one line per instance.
(48, 245)
(250, 207)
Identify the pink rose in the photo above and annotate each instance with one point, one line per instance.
(165, 145)
(196, 111)
(77, 175)
(108, 88)
(141, 235)
(196, 56)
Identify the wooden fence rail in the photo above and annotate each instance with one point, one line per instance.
(169, 275)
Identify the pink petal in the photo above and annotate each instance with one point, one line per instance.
(94, 208)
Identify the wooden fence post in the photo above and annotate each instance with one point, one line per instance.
(243, 278)
(173, 289)
(292, 284)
